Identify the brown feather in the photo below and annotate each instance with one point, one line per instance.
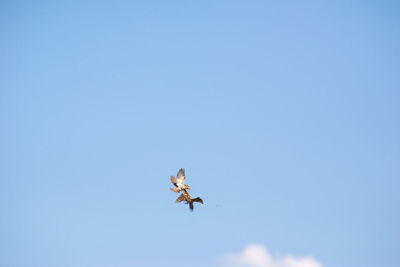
(173, 180)
(197, 199)
(180, 198)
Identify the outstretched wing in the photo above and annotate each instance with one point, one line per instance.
(173, 180)
(197, 199)
(180, 177)
(180, 198)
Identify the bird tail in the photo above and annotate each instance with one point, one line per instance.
(176, 190)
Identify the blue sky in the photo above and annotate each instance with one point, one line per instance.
(285, 115)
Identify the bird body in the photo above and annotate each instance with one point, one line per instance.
(186, 197)
(179, 182)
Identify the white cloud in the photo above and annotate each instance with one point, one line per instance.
(258, 256)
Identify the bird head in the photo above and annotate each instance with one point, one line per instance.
(187, 187)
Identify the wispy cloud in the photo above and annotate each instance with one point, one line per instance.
(258, 256)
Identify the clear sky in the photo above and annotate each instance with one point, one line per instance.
(285, 115)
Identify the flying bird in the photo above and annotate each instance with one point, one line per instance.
(179, 182)
(185, 196)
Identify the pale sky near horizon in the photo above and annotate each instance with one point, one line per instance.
(285, 115)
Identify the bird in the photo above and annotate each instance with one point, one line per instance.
(185, 196)
(179, 181)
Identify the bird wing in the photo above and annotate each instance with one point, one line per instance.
(180, 198)
(197, 199)
(173, 180)
(180, 177)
